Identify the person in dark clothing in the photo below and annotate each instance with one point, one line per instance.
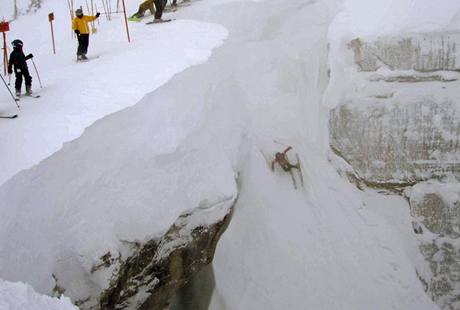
(159, 7)
(21, 71)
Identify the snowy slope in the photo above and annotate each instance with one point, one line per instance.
(327, 246)
(20, 296)
(76, 95)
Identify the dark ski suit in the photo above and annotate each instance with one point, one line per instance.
(18, 61)
(159, 7)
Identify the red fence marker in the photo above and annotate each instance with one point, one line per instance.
(4, 27)
(51, 18)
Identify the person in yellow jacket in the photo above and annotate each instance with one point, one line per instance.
(81, 29)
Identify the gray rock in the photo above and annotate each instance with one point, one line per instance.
(400, 125)
(151, 277)
(421, 52)
(437, 207)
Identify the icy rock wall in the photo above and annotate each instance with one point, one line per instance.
(398, 121)
(435, 208)
(421, 52)
(397, 124)
(150, 278)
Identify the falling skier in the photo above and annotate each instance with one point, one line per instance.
(282, 159)
(81, 29)
(21, 71)
(145, 6)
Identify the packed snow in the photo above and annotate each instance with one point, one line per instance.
(132, 173)
(20, 296)
(76, 95)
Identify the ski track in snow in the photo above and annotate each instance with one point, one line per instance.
(78, 94)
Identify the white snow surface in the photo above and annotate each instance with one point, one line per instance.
(20, 296)
(362, 18)
(76, 95)
(131, 174)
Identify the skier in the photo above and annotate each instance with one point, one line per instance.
(159, 7)
(18, 61)
(81, 29)
(143, 7)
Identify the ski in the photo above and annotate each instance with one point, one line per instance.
(86, 60)
(30, 96)
(161, 22)
(9, 116)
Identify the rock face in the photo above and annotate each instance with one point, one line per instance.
(421, 52)
(398, 125)
(399, 122)
(150, 278)
(436, 211)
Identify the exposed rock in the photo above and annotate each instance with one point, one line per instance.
(150, 278)
(421, 52)
(398, 124)
(436, 207)
(406, 132)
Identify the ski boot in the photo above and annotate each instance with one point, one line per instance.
(83, 57)
(28, 90)
(79, 57)
(18, 93)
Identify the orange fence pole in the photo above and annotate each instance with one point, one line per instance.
(4, 27)
(126, 20)
(51, 18)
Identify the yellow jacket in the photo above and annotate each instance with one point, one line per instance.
(81, 24)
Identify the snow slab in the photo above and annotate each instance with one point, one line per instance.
(76, 95)
(20, 296)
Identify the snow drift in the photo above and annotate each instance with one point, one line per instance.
(20, 296)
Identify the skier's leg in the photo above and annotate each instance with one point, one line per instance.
(28, 81)
(143, 7)
(18, 82)
(80, 45)
(158, 9)
(85, 41)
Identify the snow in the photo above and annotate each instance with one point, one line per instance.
(362, 18)
(20, 296)
(132, 173)
(76, 95)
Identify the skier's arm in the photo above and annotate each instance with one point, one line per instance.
(74, 24)
(90, 18)
(10, 62)
(287, 150)
(30, 56)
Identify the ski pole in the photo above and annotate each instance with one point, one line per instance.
(9, 79)
(38, 75)
(9, 90)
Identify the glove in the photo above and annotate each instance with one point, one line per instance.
(10, 71)
(30, 56)
(77, 32)
(98, 14)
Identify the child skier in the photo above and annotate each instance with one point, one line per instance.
(18, 61)
(81, 29)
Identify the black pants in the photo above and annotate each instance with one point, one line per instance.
(20, 73)
(159, 7)
(83, 42)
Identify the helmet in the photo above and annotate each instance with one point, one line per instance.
(79, 12)
(17, 43)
